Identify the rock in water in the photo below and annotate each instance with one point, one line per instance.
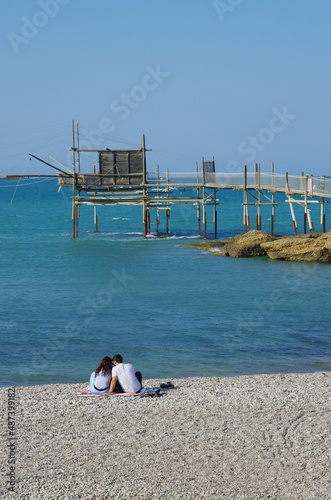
(304, 247)
(246, 245)
(314, 247)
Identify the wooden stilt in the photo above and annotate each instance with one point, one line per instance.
(306, 206)
(305, 223)
(249, 223)
(259, 196)
(149, 221)
(73, 220)
(167, 221)
(215, 215)
(322, 208)
(157, 221)
(77, 217)
(294, 222)
(272, 200)
(95, 219)
(74, 215)
(145, 222)
(199, 220)
(245, 200)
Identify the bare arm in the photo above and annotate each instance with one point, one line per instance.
(113, 384)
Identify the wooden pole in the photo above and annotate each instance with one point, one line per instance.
(256, 183)
(204, 217)
(272, 200)
(198, 193)
(167, 212)
(259, 197)
(322, 204)
(157, 189)
(73, 219)
(145, 189)
(215, 215)
(245, 198)
(95, 210)
(78, 155)
(310, 222)
(322, 215)
(77, 213)
(306, 207)
(294, 222)
(145, 220)
(199, 224)
(95, 219)
(287, 191)
(302, 181)
(73, 181)
(215, 210)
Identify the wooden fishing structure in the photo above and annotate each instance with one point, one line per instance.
(122, 178)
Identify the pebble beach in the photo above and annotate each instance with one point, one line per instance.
(247, 437)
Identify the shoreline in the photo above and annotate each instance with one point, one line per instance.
(241, 437)
(85, 382)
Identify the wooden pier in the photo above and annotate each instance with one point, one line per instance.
(121, 178)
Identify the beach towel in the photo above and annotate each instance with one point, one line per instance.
(145, 392)
(88, 393)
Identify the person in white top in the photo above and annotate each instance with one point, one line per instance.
(100, 379)
(124, 375)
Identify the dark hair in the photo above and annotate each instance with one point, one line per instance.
(105, 366)
(118, 358)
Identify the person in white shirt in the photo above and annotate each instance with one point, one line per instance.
(124, 375)
(100, 379)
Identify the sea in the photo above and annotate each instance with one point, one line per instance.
(171, 311)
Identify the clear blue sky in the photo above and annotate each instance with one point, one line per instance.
(242, 81)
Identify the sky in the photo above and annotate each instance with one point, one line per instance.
(242, 81)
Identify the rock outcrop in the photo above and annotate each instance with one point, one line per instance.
(305, 247)
(245, 245)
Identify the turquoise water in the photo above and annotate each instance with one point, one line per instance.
(171, 311)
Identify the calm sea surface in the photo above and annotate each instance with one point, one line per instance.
(171, 311)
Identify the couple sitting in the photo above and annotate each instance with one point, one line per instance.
(112, 375)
